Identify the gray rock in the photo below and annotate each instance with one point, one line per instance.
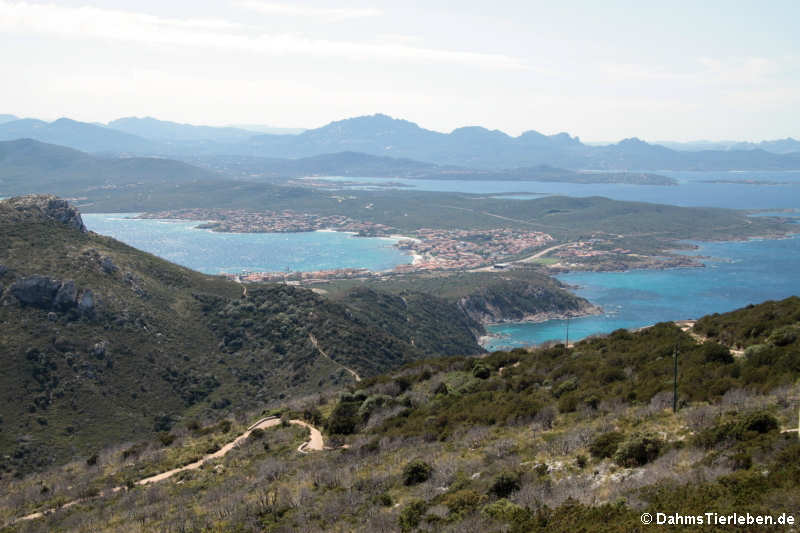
(108, 265)
(37, 291)
(3, 270)
(86, 302)
(66, 297)
(99, 349)
(48, 206)
(52, 317)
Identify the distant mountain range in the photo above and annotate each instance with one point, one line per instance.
(779, 146)
(381, 135)
(28, 166)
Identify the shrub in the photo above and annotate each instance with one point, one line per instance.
(568, 385)
(606, 444)
(504, 484)
(416, 472)
(344, 418)
(481, 371)
(639, 450)
(755, 350)
(385, 499)
(92, 460)
(716, 353)
(742, 427)
(506, 511)
(165, 438)
(581, 461)
(784, 336)
(256, 434)
(412, 514)
(463, 501)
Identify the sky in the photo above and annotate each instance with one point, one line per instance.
(604, 71)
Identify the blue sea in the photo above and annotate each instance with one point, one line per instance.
(692, 189)
(737, 274)
(213, 253)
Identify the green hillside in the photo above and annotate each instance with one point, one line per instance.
(28, 166)
(102, 342)
(556, 439)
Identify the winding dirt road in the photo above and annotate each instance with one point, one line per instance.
(315, 443)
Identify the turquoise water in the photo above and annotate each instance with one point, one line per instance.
(691, 190)
(214, 253)
(738, 274)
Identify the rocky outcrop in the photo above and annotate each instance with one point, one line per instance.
(66, 296)
(44, 206)
(52, 294)
(37, 291)
(86, 302)
(523, 302)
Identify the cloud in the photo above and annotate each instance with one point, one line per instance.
(131, 27)
(331, 13)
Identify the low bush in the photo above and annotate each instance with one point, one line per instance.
(504, 484)
(606, 444)
(638, 450)
(416, 472)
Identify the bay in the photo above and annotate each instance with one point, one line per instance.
(738, 274)
(693, 189)
(214, 253)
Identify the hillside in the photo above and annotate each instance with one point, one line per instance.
(162, 130)
(28, 166)
(557, 439)
(103, 342)
(486, 297)
(77, 135)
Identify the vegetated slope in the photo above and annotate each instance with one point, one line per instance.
(556, 439)
(486, 297)
(28, 166)
(102, 342)
(562, 217)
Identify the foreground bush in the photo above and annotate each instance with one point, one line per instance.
(416, 472)
(638, 450)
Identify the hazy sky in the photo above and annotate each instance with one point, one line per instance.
(602, 70)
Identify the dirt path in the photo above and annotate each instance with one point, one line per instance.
(313, 340)
(687, 326)
(315, 443)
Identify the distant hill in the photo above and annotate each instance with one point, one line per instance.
(778, 146)
(384, 136)
(78, 135)
(155, 129)
(364, 165)
(491, 149)
(266, 128)
(7, 118)
(28, 166)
